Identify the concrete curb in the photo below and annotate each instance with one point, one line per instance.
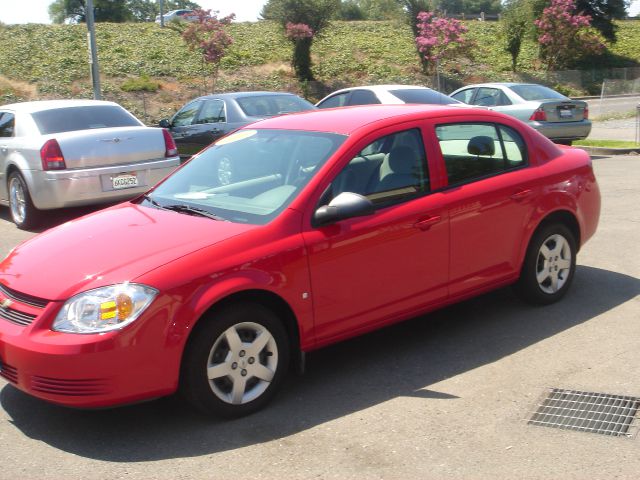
(609, 151)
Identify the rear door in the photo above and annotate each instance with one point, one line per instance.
(490, 196)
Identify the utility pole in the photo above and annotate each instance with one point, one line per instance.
(161, 13)
(93, 50)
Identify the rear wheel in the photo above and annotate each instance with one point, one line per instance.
(236, 361)
(549, 265)
(23, 213)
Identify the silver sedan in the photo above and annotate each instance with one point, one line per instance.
(65, 153)
(557, 117)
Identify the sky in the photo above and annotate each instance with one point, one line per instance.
(36, 11)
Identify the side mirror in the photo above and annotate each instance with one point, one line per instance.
(164, 123)
(345, 205)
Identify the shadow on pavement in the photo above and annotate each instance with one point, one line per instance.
(403, 360)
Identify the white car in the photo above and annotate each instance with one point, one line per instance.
(180, 15)
(384, 94)
(64, 153)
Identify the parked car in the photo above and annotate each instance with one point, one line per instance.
(555, 116)
(184, 15)
(384, 94)
(352, 219)
(207, 118)
(66, 153)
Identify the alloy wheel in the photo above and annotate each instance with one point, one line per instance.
(553, 265)
(17, 199)
(242, 363)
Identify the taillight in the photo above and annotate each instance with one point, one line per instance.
(538, 115)
(51, 155)
(170, 149)
(586, 112)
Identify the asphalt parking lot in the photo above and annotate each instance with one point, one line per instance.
(447, 395)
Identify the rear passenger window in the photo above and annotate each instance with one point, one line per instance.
(477, 150)
(363, 97)
(389, 170)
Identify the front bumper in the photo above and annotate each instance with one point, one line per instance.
(88, 371)
(88, 186)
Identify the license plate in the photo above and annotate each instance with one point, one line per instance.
(566, 113)
(124, 181)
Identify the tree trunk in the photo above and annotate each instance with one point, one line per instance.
(302, 59)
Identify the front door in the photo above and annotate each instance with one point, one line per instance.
(372, 270)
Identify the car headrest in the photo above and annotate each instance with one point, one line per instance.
(481, 145)
(402, 160)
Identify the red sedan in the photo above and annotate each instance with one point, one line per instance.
(288, 235)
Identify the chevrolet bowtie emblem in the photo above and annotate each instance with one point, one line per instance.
(5, 303)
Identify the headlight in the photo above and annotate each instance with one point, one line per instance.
(104, 309)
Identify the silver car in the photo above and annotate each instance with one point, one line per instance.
(65, 153)
(555, 116)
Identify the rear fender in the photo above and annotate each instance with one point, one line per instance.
(15, 161)
(553, 204)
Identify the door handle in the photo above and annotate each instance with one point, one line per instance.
(521, 195)
(426, 223)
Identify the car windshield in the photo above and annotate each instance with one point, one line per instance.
(536, 92)
(420, 95)
(71, 119)
(271, 105)
(247, 177)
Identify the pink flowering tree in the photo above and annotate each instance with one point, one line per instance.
(301, 35)
(565, 37)
(438, 38)
(209, 36)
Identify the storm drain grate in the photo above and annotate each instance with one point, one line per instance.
(588, 412)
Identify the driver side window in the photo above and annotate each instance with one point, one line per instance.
(186, 116)
(389, 170)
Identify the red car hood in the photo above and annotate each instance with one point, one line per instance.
(111, 246)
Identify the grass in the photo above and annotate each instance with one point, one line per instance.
(347, 54)
(606, 143)
(615, 116)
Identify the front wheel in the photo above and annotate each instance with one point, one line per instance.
(236, 361)
(549, 265)
(23, 213)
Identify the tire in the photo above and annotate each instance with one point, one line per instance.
(23, 213)
(549, 265)
(235, 362)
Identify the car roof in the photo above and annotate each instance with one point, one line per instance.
(346, 120)
(383, 88)
(244, 94)
(497, 84)
(40, 105)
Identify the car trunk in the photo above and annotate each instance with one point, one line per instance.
(564, 111)
(110, 146)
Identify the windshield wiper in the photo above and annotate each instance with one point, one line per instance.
(148, 198)
(192, 211)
